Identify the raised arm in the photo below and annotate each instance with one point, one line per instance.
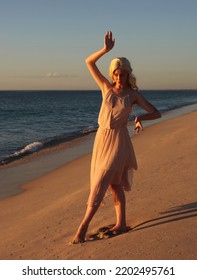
(101, 80)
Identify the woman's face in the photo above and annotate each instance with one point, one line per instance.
(120, 78)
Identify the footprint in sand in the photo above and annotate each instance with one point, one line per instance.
(105, 232)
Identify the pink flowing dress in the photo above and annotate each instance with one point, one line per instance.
(113, 157)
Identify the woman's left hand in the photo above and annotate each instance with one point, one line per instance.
(138, 125)
(109, 41)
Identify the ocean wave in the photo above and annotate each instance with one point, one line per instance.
(46, 143)
(28, 149)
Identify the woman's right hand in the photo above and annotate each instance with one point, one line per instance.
(109, 41)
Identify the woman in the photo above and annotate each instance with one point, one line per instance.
(113, 155)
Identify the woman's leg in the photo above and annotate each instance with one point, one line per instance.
(94, 201)
(120, 207)
(81, 232)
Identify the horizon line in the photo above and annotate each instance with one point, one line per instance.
(92, 89)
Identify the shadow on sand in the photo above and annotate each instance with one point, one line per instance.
(174, 214)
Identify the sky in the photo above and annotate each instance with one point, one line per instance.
(44, 43)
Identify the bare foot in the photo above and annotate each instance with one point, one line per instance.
(80, 235)
(114, 231)
(119, 228)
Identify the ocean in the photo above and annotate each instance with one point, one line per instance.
(33, 120)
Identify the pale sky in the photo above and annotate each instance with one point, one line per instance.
(44, 43)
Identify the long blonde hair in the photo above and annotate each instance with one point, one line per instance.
(124, 64)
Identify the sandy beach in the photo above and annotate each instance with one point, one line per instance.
(40, 222)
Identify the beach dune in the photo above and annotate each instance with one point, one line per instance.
(40, 222)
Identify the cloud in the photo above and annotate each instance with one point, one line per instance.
(49, 75)
(57, 75)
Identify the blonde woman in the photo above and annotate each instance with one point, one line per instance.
(113, 157)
